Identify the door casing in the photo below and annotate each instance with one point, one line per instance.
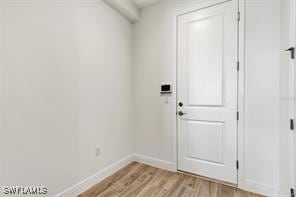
(292, 82)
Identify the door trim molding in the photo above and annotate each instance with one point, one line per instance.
(198, 6)
(292, 92)
(241, 93)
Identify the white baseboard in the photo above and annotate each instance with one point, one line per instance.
(87, 183)
(259, 188)
(284, 194)
(155, 162)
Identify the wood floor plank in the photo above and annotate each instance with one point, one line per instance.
(155, 186)
(169, 185)
(177, 188)
(110, 181)
(227, 191)
(215, 189)
(205, 189)
(129, 184)
(136, 189)
(192, 186)
(139, 180)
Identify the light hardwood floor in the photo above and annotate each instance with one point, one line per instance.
(145, 181)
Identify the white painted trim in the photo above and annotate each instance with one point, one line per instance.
(125, 8)
(292, 91)
(241, 95)
(175, 79)
(155, 162)
(87, 183)
(258, 188)
(198, 5)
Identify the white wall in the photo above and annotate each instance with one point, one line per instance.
(155, 115)
(262, 72)
(66, 87)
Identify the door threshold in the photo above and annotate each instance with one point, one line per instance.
(209, 179)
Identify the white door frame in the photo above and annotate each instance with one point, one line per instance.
(241, 94)
(241, 79)
(292, 91)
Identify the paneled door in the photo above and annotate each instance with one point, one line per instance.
(207, 91)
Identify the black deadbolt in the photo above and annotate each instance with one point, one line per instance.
(180, 104)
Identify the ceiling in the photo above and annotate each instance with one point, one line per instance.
(144, 3)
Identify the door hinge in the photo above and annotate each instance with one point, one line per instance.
(292, 192)
(292, 50)
(237, 66)
(237, 115)
(237, 164)
(238, 16)
(292, 124)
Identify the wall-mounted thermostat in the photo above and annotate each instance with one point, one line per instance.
(166, 88)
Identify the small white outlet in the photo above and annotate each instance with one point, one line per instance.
(97, 151)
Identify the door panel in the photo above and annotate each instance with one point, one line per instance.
(207, 87)
(205, 64)
(199, 135)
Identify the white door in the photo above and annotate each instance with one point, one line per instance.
(207, 92)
